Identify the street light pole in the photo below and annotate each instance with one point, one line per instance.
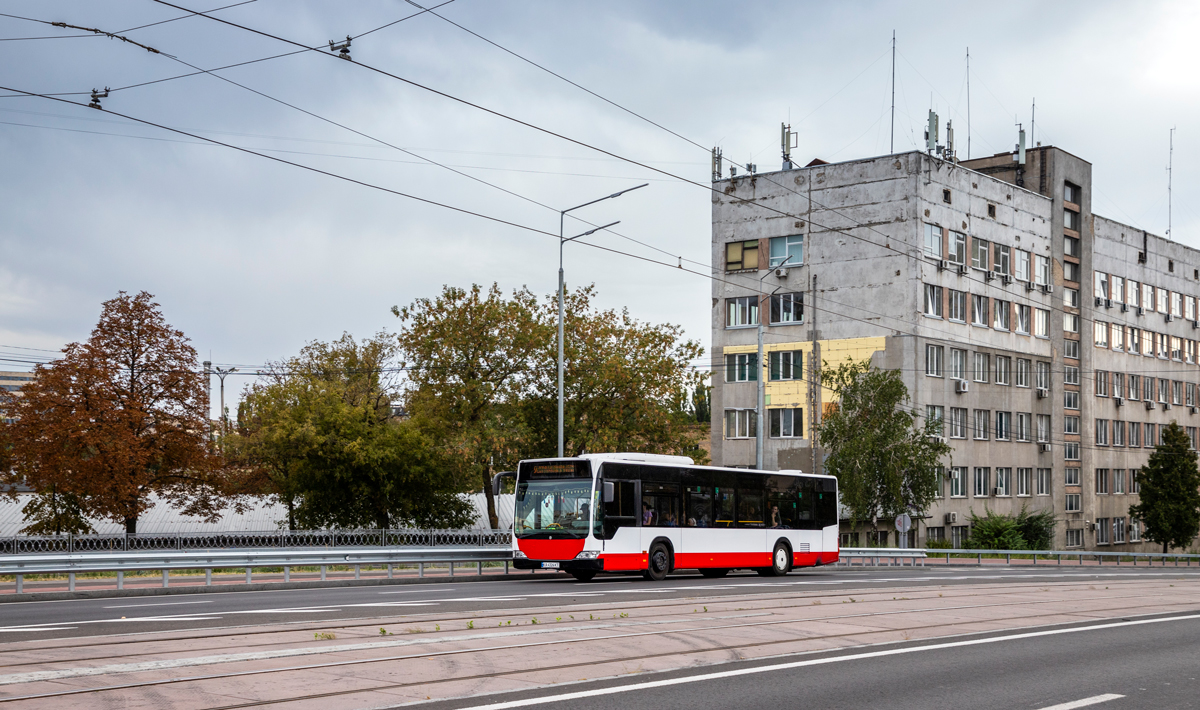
(763, 371)
(561, 242)
(221, 373)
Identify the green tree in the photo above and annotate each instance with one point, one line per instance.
(52, 512)
(885, 462)
(621, 384)
(1169, 504)
(321, 430)
(468, 355)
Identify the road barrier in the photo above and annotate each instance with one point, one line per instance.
(71, 554)
(894, 555)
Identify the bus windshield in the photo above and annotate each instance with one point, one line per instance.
(553, 508)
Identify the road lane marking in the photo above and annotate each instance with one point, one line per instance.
(1094, 700)
(563, 697)
(138, 606)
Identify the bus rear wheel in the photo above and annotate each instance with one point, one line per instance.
(713, 573)
(583, 575)
(659, 563)
(781, 562)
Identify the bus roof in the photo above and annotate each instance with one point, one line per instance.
(668, 460)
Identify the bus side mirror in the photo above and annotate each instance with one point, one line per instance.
(609, 492)
(498, 481)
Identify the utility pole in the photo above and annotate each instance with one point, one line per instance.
(968, 103)
(892, 144)
(221, 373)
(814, 377)
(208, 383)
(1170, 164)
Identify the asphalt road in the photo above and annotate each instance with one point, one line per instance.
(92, 617)
(1119, 664)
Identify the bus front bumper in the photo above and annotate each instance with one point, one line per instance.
(596, 565)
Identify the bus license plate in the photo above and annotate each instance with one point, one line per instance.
(550, 565)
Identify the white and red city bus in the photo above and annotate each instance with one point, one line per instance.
(655, 514)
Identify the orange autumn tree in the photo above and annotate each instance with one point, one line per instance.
(118, 419)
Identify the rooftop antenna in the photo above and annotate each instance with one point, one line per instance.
(931, 133)
(892, 145)
(1020, 144)
(717, 168)
(1170, 163)
(787, 139)
(950, 140)
(1033, 123)
(968, 103)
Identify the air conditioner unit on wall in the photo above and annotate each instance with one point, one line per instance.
(951, 518)
(1043, 393)
(1047, 288)
(781, 273)
(1043, 448)
(962, 269)
(1166, 406)
(1006, 279)
(1029, 286)
(1119, 401)
(1149, 404)
(961, 386)
(1141, 311)
(1168, 317)
(1108, 303)
(989, 275)
(1099, 301)
(1124, 307)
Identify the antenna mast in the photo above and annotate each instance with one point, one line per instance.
(1170, 162)
(1033, 124)
(892, 145)
(968, 103)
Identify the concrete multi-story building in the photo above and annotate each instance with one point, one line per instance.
(1054, 344)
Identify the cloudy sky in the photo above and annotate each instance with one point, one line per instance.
(252, 258)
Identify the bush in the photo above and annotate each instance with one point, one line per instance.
(939, 545)
(1023, 531)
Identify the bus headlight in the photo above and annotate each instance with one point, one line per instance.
(588, 555)
(518, 555)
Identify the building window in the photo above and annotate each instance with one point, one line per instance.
(958, 248)
(1191, 395)
(1022, 429)
(1071, 451)
(1002, 259)
(1135, 486)
(786, 365)
(789, 251)
(1043, 428)
(1071, 220)
(1022, 373)
(1100, 333)
(1073, 503)
(1150, 440)
(946, 196)
(1148, 388)
(741, 367)
(1022, 265)
(1043, 375)
(1003, 426)
(1133, 293)
(1148, 297)
(1070, 400)
(787, 308)
(1162, 294)
(740, 423)
(1071, 425)
(933, 241)
(979, 253)
(1071, 476)
(1101, 432)
(1071, 297)
(1176, 348)
(1118, 531)
(1100, 284)
(1101, 383)
(1190, 355)
(1176, 304)
(1191, 435)
(1003, 370)
(1118, 289)
(1071, 349)
(939, 486)
(958, 482)
(936, 414)
(1041, 273)
(1071, 247)
(1176, 392)
(1070, 375)
(1118, 336)
(982, 476)
(1071, 322)
(958, 535)
(1071, 271)
(1023, 319)
(981, 367)
(741, 311)
(958, 364)
(1118, 433)
(1135, 434)
(1043, 481)
(1041, 322)
(982, 421)
(1160, 340)
(1003, 482)
(958, 306)
(786, 423)
(992, 211)
(1163, 385)
(958, 423)
(1118, 480)
(1102, 531)
(1189, 307)
(1003, 315)
(1135, 533)
(1102, 481)
(1074, 537)
(1135, 341)
(933, 360)
(1072, 193)
(933, 301)
(979, 310)
(741, 255)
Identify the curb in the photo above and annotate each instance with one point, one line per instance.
(252, 587)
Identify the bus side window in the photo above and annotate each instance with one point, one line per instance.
(723, 508)
(660, 504)
(826, 512)
(750, 508)
(805, 515)
(699, 507)
(621, 511)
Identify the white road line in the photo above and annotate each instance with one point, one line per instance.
(137, 606)
(823, 661)
(1094, 700)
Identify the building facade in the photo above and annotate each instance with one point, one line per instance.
(1053, 344)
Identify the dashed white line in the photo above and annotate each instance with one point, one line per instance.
(1094, 700)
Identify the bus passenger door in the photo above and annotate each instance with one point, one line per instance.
(622, 518)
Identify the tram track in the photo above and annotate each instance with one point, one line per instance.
(1118, 606)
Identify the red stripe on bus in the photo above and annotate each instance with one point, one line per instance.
(718, 560)
(551, 549)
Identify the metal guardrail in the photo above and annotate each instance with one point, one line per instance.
(890, 554)
(404, 537)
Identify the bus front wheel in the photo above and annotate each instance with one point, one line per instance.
(583, 575)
